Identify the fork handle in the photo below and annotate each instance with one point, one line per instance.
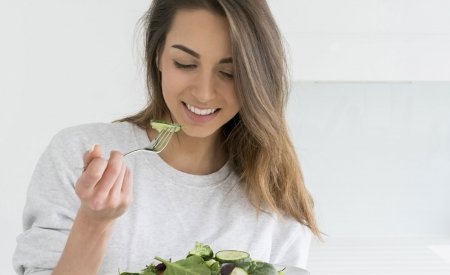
(137, 150)
(126, 154)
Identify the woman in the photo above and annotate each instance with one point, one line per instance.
(230, 178)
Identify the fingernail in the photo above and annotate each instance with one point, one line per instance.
(92, 149)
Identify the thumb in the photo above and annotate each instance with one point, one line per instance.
(94, 152)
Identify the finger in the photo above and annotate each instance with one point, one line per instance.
(127, 184)
(94, 152)
(111, 173)
(127, 187)
(117, 187)
(94, 172)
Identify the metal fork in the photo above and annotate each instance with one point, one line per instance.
(156, 145)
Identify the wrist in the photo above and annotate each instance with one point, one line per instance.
(86, 245)
(92, 224)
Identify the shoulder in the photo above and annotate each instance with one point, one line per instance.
(112, 133)
(291, 234)
(77, 139)
(94, 130)
(292, 243)
(291, 229)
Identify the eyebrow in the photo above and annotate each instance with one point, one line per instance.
(197, 55)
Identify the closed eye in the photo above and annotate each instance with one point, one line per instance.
(185, 66)
(227, 75)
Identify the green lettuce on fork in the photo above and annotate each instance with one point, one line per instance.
(202, 261)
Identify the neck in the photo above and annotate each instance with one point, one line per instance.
(192, 155)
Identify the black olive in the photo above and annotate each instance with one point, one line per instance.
(226, 269)
(160, 267)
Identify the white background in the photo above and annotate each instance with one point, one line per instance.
(369, 109)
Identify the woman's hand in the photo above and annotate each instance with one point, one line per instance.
(105, 191)
(105, 187)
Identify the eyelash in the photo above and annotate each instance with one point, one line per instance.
(185, 67)
(227, 75)
(193, 66)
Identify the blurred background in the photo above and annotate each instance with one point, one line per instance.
(369, 113)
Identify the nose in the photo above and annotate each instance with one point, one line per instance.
(205, 88)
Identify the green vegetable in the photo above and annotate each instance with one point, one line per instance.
(211, 262)
(248, 266)
(202, 250)
(200, 261)
(257, 267)
(149, 270)
(160, 125)
(263, 268)
(232, 256)
(214, 266)
(192, 265)
(238, 271)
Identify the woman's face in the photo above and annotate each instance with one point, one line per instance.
(197, 72)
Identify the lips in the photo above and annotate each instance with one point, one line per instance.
(200, 112)
(196, 114)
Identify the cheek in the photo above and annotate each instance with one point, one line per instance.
(233, 101)
(173, 83)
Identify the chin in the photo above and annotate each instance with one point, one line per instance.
(198, 132)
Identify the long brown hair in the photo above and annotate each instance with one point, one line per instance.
(257, 138)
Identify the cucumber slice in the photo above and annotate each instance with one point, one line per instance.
(232, 256)
(160, 125)
(238, 271)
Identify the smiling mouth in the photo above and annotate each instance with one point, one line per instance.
(201, 112)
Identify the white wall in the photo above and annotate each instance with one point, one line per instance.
(376, 157)
(70, 62)
(61, 63)
(370, 40)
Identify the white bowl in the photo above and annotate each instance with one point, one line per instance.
(291, 270)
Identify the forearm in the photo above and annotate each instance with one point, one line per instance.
(105, 191)
(85, 247)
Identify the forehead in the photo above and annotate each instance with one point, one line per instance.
(202, 31)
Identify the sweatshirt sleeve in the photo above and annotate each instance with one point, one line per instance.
(50, 208)
(295, 250)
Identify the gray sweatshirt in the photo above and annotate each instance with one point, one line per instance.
(171, 209)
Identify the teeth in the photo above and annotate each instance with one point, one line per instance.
(201, 112)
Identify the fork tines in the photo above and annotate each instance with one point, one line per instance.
(162, 140)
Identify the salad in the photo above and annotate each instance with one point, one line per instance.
(160, 125)
(202, 261)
